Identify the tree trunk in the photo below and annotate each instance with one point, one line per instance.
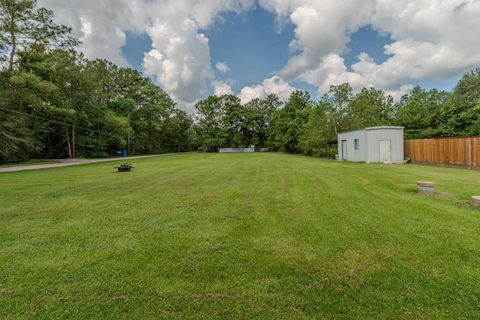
(129, 136)
(73, 142)
(69, 145)
(13, 38)
(12, 55)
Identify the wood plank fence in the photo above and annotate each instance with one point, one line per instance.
(446, 151)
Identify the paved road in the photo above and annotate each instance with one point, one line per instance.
(71, 162)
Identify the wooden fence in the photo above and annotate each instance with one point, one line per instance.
(446, 151)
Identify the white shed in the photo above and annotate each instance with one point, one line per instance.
(376, 144)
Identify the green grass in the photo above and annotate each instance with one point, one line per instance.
(239, 236)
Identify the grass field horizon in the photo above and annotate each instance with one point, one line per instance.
(239, 236)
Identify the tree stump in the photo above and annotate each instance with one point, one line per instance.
(426, 187)
(476, 201)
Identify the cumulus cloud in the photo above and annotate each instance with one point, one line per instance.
(221, 88)
(179, 60)
(222, 67)
(430, 38)
(180, 57)
(100, 25)
(274, 85)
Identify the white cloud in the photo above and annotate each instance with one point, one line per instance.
(100, 25)
(180, 56)
(274, 85)
(222, 67)
(179, 60)
(430, 38)
(221, 88)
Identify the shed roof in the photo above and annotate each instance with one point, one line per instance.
(376, 128)
(385, 128)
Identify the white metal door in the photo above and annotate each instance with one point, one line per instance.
(385, 151)
(344, 149)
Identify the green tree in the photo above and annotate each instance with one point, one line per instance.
(209, 124)
(461, 106)
(26, 34)
(14, 136)
(234, 122)
(259, 114)
(370, 107)
(420, 112)
(25, 27)
(339, 98)
(319, 137)
(288, 123)
(37, 102)
(51, 96)
(177, 132)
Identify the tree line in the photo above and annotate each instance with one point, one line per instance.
(55, 103)
(303, 126)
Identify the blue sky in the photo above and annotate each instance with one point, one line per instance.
(251, 45)
(135, 48)
(255, 48)
(178, 43)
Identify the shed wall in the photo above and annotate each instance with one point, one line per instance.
(353, 155)
(394, 135)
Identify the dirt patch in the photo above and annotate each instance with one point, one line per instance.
(7, 293)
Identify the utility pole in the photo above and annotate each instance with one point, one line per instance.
(73, 141)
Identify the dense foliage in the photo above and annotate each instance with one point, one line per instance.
(303, 126)
(55, 103)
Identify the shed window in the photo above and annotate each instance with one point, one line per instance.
(357, 144)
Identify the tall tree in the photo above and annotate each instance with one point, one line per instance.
(420, 112)
(339, 98)
(26, 34)
(24, 27)
(234, 121)
(288, 123)
(319, 133)
(209, 124)
(370, 107)
(460, 107)
(260, 112)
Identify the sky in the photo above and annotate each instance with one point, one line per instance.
(252, 48)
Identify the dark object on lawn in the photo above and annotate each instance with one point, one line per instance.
(124, 167)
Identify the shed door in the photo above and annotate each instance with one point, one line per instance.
(344, 149)
(385, 151)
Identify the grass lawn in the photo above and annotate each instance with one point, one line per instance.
(239, 236)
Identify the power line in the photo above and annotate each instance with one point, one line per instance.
(47, 119)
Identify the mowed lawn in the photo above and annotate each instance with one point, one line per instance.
(239, 236)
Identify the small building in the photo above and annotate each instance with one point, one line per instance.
(236, 150)
(372, 145)
(250, 149)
